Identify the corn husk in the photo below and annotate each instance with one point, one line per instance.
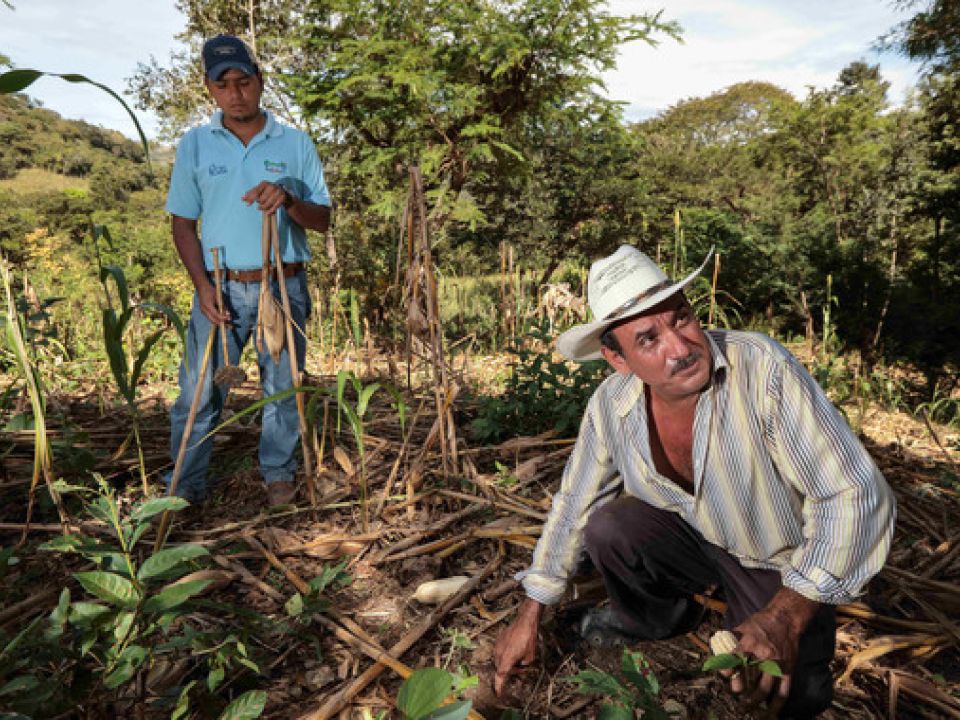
(270, 327)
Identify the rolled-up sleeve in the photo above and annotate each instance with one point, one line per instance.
(848, 507)
(589, 479)
(183, 197)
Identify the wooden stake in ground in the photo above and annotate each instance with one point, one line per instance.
(294, 365)
(424, 328)
(226, 374)
(185, 438)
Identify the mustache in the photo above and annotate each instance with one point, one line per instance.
(681, 364)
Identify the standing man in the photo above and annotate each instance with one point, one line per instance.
(732, 468)
(227, 173)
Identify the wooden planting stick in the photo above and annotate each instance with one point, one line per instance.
(294, 365)
(185, 438)
(226, 374)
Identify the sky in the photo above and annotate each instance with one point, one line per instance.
(795, 44)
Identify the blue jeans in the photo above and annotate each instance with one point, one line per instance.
(280, 427)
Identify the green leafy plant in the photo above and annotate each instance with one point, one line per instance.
(459, 640)
(731, 661)
(129, 618)
(116, 324)
(638, 690)
(354, 415)
(542, 393)
(943, 409)
(302, 605)
(422, 695)
(13, 81)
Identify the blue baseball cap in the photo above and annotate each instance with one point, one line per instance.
(224, 52)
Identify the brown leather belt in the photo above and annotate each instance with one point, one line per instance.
(246, 276)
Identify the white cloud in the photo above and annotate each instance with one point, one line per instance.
(791, 44)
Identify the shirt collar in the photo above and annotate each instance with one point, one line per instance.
(626, 390)
(271, 129)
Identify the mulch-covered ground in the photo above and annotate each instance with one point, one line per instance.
(897, 649)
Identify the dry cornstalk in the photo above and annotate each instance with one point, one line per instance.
(436, 527)
(423, 316)
(185, 438)
(375, 653)
(294, 364)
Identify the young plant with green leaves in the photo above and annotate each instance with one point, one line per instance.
(116, 333)
(741, 661)
(355, 414)
(14, 338)
(302, 605)
(130, 617)
(423, 694)
(639, 689)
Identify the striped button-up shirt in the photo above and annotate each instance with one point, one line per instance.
(780, 480)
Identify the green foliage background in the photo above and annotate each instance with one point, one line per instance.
(499, 104)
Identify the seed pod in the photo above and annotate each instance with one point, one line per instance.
(723, 641)
(434, 592)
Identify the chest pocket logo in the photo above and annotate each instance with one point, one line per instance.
(277, 168)
(217, 170)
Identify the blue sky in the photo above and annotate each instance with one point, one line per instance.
(792, 43)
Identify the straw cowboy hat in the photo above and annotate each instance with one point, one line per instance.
(619, 287)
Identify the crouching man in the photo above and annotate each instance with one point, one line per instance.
(708, 458)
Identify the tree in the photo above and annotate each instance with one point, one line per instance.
(175, 92)
(467, 91)
(932, 35)
(711, 159)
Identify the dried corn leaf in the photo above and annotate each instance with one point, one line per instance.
(927, 692)
(343, 460)
(885, 644)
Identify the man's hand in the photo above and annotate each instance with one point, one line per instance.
(518, 643)
(774, 633)
(207, 295)
(268, 196)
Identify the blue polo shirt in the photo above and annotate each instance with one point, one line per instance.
(212, 172)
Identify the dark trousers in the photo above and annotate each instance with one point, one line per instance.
(651, 561)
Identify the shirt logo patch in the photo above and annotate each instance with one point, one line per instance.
(277, 168)
(217, 170)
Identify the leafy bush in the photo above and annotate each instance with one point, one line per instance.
(131, 619)
(542, 393)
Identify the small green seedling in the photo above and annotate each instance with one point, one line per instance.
(422, 695)
(730, 661)
(639, 692)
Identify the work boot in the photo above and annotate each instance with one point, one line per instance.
(602, 628)
(281, 492)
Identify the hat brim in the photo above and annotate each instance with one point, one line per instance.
(219, 69)
(581, 343)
